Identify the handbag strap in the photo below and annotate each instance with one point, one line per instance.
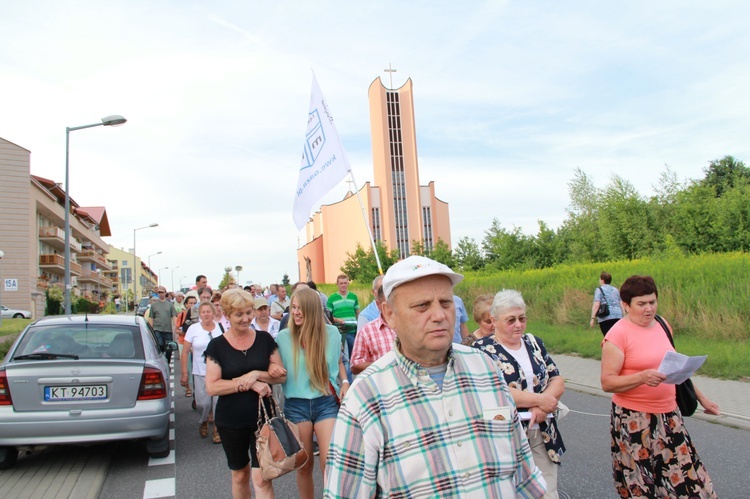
(603, 295)
(665, 328)
(264, 415)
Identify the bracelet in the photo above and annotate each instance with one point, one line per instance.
(344, 381)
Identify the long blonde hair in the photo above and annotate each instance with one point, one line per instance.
(311, 336)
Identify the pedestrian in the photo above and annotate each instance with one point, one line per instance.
(344, 306)
(262, 320)
(461, 330)
(196, 340)
(430, 418)
(280, 304)
(240, 364)
(374, 340)
(179, 301)
(481, 313)
(162, 317)
(533, 380)
(311, 353)
(118, 303)
(652, 453)
(372, 310)
(608, 294)
(218, 312)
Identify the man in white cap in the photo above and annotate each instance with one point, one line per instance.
(429, 418)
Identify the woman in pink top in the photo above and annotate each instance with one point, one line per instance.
(652, 454)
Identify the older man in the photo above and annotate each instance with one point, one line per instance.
(429, 418)
(280, 304)
(371, 311)
(374, 340)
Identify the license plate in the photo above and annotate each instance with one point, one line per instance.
(67, 393)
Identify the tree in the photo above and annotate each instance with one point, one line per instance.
(226, 280)
(467, 254)
(443, 254)
(285, 280)
(362, 266)
(725, 174)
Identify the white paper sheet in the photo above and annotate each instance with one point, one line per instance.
(679, 367)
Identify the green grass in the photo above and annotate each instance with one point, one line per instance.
(12, 326)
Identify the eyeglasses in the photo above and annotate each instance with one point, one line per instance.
(160, 292)
(512, 320)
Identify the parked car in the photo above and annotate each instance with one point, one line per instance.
(143, 306)
(7, 313)
(85, 380)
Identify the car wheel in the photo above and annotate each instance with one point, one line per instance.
(159, 448)
(8, 456)
(18, 316)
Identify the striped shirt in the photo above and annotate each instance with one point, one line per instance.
(399, 435)
(372, 342)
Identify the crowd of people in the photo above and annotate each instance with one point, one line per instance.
(403, 401)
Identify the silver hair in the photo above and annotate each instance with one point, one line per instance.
(506, 300)
(376, 282)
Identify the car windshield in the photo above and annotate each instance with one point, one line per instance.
(86, 341)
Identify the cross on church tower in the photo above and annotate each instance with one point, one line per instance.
(390, 72)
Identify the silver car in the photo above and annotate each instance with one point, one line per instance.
(85, 379)
(9, 313)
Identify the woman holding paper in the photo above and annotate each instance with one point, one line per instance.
(652, 454)
(533, 379)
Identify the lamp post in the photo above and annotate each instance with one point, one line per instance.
(238, 268)
(173, 269)
(137, 271)
(149, 258)
(2, 284)
(106, 121)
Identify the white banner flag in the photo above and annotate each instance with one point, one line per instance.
(324, 163)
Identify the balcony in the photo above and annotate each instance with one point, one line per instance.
(55, 237)
(56, 264)
(88, 275)
(89, 255)
(105, 282)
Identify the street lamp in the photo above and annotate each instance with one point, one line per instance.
(135, 262)
(238, 268)
(113, 120)
(149, 258)
(173, 269)
(1, 284)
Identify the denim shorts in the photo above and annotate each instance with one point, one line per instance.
(313, 410)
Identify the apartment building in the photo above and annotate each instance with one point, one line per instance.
(32, 237)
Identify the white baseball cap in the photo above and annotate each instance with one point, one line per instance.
(416, 267)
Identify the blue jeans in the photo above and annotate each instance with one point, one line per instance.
(312, 410)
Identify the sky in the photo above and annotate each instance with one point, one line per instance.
(510, 98)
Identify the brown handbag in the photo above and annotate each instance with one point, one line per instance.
(277, 442)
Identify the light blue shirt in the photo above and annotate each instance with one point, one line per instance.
(369, 314)
(461, 318)
(297, 384)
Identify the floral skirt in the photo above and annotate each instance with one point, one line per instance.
(653, 456)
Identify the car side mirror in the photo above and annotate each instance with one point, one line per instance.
(171, 346)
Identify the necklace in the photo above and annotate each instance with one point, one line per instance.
(236, 337)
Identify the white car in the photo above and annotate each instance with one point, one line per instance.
(8, 313)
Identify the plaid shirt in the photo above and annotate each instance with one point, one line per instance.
(374, 340)
(399, 435)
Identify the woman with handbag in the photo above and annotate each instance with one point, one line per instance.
(652, 453)
(533, 380)
(240, 365)
(606, 308)
(311, 352)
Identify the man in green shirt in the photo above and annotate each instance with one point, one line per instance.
(162, 317)
(345, 308)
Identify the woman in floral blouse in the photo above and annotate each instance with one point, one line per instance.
(533, 379)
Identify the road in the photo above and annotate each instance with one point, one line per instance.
(197, 467)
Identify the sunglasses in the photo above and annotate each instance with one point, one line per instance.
(512, 320)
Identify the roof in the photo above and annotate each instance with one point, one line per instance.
(99, 215)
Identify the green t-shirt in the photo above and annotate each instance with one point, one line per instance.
(345, 308)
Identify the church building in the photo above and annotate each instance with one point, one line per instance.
(399, 209)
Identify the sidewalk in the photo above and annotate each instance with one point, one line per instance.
(733, 397)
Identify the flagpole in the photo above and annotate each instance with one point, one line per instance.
(367, 224)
